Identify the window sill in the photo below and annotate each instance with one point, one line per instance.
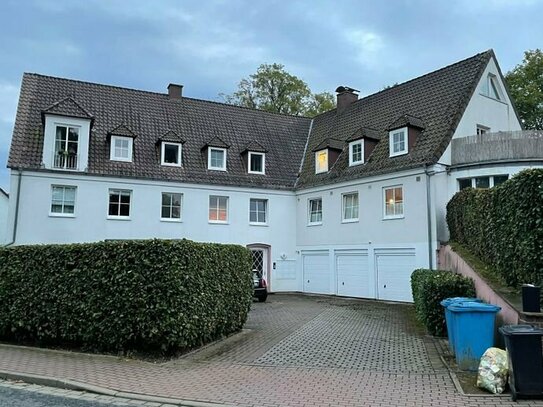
(350, 220)
(399, 153)
(118, 218)
(61, 215)
(121, 160)
(257, 224)
(315, 224)
(170, 165)
(354, 164)
(216, 169)
(218, 222)
(170, 220)
(393, 217)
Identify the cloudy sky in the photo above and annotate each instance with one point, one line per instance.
(208, 46)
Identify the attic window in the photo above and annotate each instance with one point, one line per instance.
(256, 163)
(216, 158)
(171, 154)
(121, 148)
(492, 88)
(398, 142)
(356, 152)
(321, 161)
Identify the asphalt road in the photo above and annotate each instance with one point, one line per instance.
(10, 397)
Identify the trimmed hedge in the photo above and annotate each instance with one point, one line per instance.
(429, 288)
(146, 296)
(503, 226)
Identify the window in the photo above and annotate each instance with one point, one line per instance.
(464, 183)
(258, 209)
(121, 148)
(216, 158)
(356, 152)
(491, 87)
(398, 142)
(321, 161)
(119, 203)
(350, 207)
(62, 200)
(218, 209)
(482, 182)
(394, 202)
(171, 154)
(66, 147)
(256, 163)
(500, 179)
(171, 206)
(482, 129)
(315, 211)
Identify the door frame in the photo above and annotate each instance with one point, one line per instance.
(266, 248)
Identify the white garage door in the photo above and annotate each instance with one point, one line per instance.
(394, 275)
(316, 273)
(352, 275)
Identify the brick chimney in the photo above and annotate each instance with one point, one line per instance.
(345, 96)
(175, 91)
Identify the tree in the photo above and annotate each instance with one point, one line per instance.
(273, 89)
(525, 83)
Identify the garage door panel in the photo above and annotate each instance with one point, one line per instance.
(352, 275)
(316, 271)
(394, 276)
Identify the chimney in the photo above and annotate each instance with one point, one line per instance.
(345, 96)
(175, 91)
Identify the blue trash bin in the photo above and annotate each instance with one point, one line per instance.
(448, 318)
(474, 327)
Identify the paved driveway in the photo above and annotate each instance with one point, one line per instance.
(295, 351)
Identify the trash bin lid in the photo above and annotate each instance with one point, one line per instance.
(509, 330)
(448, 301)
(472, 306)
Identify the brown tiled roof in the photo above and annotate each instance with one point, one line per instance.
(150, 116)
(437, 99)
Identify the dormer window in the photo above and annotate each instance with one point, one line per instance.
(398, 142)
(66, 147)
(321, 161)
(257, 162)
(356, 152)
(216, 158)
(171, 154)
(121, 148)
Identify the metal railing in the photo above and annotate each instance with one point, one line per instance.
(65, 161)
(500, 146)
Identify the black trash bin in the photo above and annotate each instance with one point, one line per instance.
(523, 344)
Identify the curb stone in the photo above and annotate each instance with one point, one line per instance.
(79, 386)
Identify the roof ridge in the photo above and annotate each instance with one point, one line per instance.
(159, 94)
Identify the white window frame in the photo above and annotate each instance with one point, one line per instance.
(266, 212)
(480, 129)
(177, 220)
(112, 155)
(395, 216)
(352, 162)
(309, 200)
(317, 169)
(405, 134)
(473, 180)
(220, 222)
(343, 206)
(67, 126)
(263, 155)
(163, 155)
(62, 214)
(119, 217)
(209, 166)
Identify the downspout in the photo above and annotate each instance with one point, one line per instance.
(16, 217)
(429, 216)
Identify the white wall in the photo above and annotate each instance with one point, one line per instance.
(4, 205)
(91, 224)
(486, 111)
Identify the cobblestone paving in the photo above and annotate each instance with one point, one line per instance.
(296, 351)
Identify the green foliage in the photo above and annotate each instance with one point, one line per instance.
(503, 226)
(525, 83)
(273, 89)
(429, 288)
(150, 296)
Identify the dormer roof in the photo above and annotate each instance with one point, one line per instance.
(216, 142)
(330, 143)
(172, 137)
(68, 107)
(365, 132)
(255, 147)
(121, 130)
(406, 120)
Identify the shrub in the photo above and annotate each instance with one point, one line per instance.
(429, 288)
(150, 296)
(503, 226)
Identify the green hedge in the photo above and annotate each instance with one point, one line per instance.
(503, 226)
(429, 288)
(149, 296)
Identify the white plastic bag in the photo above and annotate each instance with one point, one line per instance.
(493, 371)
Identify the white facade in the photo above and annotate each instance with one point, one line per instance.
(4, 208)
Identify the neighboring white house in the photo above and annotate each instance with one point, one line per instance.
(347, 203)
(4, 205)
